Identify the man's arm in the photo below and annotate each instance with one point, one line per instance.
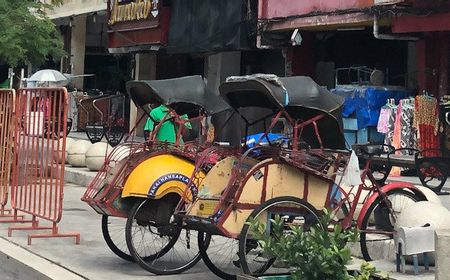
(187, 124)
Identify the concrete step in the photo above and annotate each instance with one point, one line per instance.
(77, 175)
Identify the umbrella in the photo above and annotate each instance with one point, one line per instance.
(72, 76)
(49, 76)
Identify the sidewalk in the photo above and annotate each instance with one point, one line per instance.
(60, 258)
(92, 259)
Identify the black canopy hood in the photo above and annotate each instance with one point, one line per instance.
(300, 96)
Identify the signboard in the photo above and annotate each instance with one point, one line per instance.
(132, 10)
(135, 25)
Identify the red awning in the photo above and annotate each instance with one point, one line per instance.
(433, 22)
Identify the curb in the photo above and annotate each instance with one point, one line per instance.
(79, 176)
(18, 263)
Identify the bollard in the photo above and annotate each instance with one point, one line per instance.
(442, 241)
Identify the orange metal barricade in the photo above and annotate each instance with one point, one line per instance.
(7, 108)
(38, 172)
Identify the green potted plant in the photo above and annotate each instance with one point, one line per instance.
(311, 254)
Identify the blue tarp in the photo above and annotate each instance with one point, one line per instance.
(273, 137)
(365, 102)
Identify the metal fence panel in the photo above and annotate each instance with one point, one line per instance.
(38, 172)
(7, 108)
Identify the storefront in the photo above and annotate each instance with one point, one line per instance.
(93, 69)
(223, 34)
(433, 61)
(168, 39)
(137, 30)
(136, 26)
(408, 43)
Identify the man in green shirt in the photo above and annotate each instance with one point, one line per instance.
(167, 131)
(5, 84)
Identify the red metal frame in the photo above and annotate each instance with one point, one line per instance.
(103, 191)
(234, 201)
(7, 120)
(37, 178)
(320, 163)
(297, 125)
(383, 191)
(229, 200)
(230, 196)
(374, 191)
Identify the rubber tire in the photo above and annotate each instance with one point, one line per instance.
(362, 235)
(124, 255)
(255, 212)
(203, 240)
(142, 262)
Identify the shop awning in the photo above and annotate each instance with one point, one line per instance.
(204, 26)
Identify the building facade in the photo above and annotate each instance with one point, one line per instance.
(84, 28)
(408, 39)
(168, 39)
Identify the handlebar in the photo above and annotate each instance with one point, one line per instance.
(371, 150)
(101, 98)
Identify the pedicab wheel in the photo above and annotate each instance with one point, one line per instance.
(220, 254)
(432, 173)
(113, 229)
(377, 228)
(293, 210)
(166, 246)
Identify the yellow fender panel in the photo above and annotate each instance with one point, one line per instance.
(159, 175)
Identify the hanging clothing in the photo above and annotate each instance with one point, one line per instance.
(407, 138)
(397, 127)
(389, 136)
(427, 112)
(383, 121)
(426, 121)
(395, 171)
